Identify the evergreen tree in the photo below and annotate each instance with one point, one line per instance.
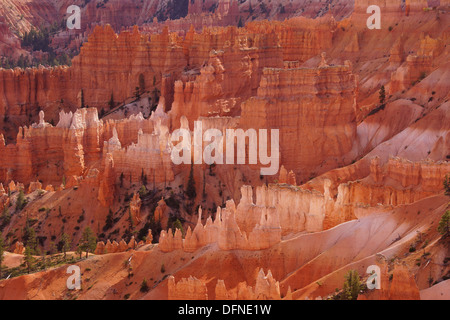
(111, 102)
(141, 83)
(156, 95)
(382, 95)
(31, 240)
(240, 23)
(121, 179)
(44, 262)
(79, 250)
(88, 241)
(144, 286)
(29, 259)
(65, 241)
(109, 221)
(2, 251)
(21, 201)
(53, 249)
(444, 224)
(190, 190)
(352, 286)
(130, 220)
(447, 185)
(177, 225)
(82, 99)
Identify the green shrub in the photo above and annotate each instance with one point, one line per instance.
(447, 185)
(352, 286)
(144, 286)
(444, 224)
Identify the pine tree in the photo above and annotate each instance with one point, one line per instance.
(144, 286)
(382, 95)
(79, 250)
(177, 225)
(444, 224)
(82, 99)
(447, 185)
(44, 262)
(88, 241)
(111, 102)
(352, 286)
(53, 249)
(29, 259)
(190, 190)
(240, 23)
(21, 201)
(31, 240)
(141, 83)
(2, 251)
(121, 179)
(130, 220)
(65, 240)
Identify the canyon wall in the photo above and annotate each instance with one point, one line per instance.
(293, 100)
(284, 209)
(81, 142)
(266, 288)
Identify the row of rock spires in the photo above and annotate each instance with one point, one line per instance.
(80, 141)
(226, 232)
(102, 248)
(230, 69)
(132, 54)
(401, 286)
(226, 67)
(282, 209)
(138, 55)
(122, 246)
(266, 288)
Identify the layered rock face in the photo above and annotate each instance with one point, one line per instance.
(390, 11)
(187, 289)
(111, 64)
(80, 142)
(399, 182)
(281, 210)
(293, 100)
(401, 286)
(418, 66)
(24, 90)
(108, 64)
(231, 73)
(266, 288)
